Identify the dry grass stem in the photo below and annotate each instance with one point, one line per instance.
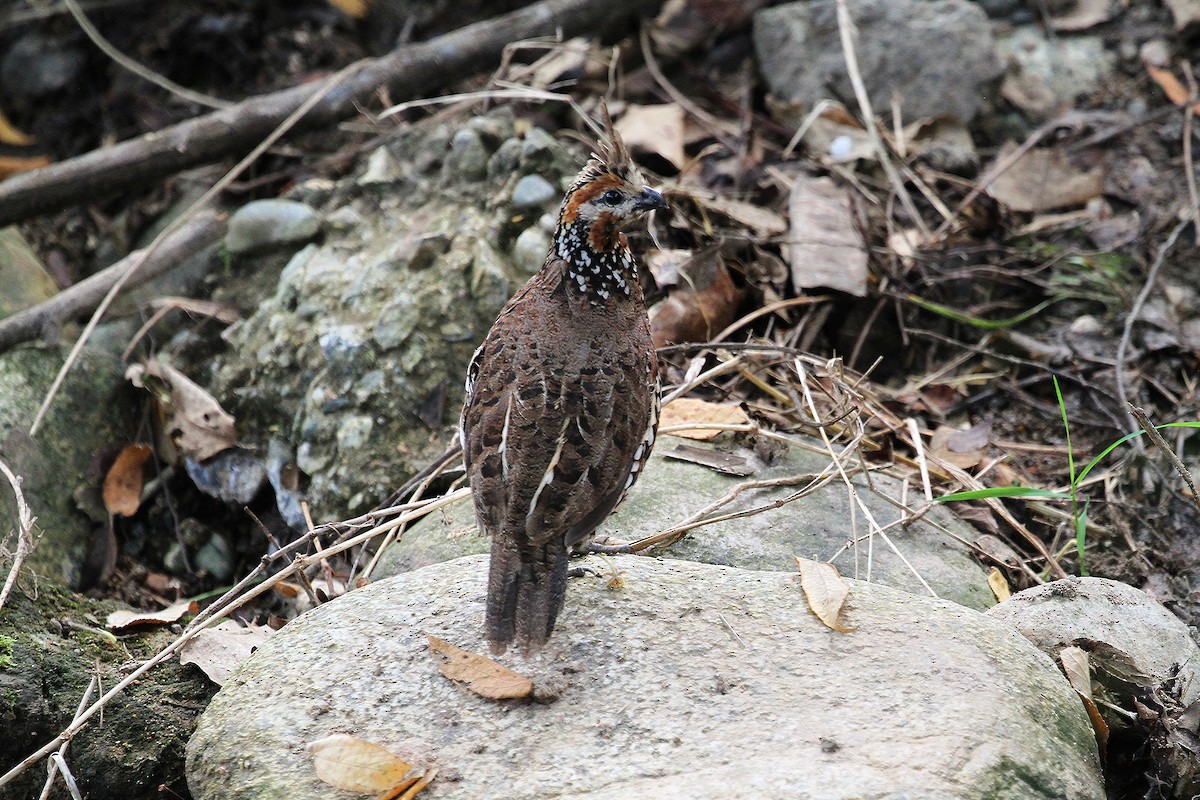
(139, 69)
(25, 522)
(846, 31)
(1135, 311)
(1168, 451)
(58, 759)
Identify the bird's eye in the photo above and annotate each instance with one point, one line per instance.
(612, 197)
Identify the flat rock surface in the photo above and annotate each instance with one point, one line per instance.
(687, 681)
(819, 525)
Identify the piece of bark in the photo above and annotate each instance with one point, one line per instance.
(205, 229)
(408, 71)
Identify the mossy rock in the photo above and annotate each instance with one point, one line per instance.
(51, 644)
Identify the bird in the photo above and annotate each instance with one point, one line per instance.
(562, 400)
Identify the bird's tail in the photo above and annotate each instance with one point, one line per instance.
(525, 593)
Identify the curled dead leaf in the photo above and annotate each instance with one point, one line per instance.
(1075, 665)
(195, 422)
(478, 673)
(123, 620)
(356, 765)
(691, 411)
(825, 590)
(124, 481)
(10, 134)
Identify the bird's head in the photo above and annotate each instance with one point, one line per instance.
(607, 194)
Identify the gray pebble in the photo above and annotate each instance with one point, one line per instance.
(267, 224)
(532, 190)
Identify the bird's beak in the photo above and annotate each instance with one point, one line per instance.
(649, 200)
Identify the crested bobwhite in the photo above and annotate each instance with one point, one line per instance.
(562, 400)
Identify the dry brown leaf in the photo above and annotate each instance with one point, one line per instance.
(356, 765)
(1085, 14)
(218, 650)
(195, 422)
(9, 134)
(1075, 665)
(964, 448)
(696, 315)
(716, 460)
(352, 8)
(825, 590)
(761, 221)
(11, 165)
(999, 585)
(123, 621)
(1043, 180)
(124, 481)
(478, 673)
(690, 410)
(824, 246)
(655, 129)
(1171, 86)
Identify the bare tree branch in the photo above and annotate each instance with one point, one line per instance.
(405, 72)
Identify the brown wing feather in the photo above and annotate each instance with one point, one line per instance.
(580, 411)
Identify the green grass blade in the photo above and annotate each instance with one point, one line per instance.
(1003, 491)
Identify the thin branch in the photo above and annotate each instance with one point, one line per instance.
(25, 520)
(204, 230)
(1136, 310)
(408, 71)
(138, 69)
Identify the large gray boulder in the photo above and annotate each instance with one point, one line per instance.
(936, 54)
(817, 525)
(687, 681)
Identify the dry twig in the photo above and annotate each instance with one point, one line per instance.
(25, 520)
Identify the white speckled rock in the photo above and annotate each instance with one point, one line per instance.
(692, 681)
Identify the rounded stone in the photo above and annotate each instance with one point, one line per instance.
(267, 224)
(533, 190)
(531, 248)
(1132, 640)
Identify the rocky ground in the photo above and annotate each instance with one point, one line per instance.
(1007, 254)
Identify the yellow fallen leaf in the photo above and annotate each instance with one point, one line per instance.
(478, 673)
(688, 410)
(9, 134)
(999, 585)
(352, 8)
(356, 765)
(825, 591)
